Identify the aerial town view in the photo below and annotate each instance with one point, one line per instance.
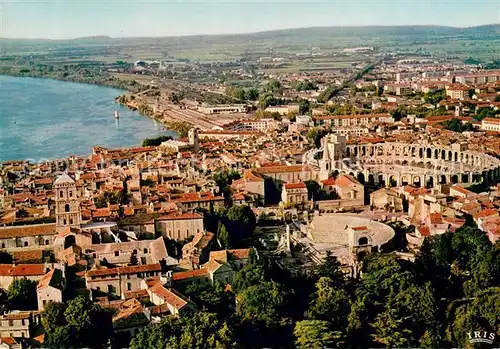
(247, 174)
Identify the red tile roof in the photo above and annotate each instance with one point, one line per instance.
(183, 275)
(329, 181)
(124, 270)
(22, 269)
(485, 213)
(345, 180)
(436, 218)
(424, 231)
(492, 120)
(169, 296)
(300, 185)
(27, 230)
(360, 228)
(280, 169)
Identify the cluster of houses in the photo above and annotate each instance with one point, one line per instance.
(129, 265)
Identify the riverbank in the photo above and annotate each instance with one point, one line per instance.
(171, 123)
(87, 76)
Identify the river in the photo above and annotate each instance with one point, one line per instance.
(44, 119)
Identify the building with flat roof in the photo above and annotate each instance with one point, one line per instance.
(223, 109)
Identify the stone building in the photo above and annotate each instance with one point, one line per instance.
(397, 164)
(386, 198)
(179, 226)
(294, 193)
(67, 198)
(18, 324)
(118, 280)
(17, 237)
(50, 288)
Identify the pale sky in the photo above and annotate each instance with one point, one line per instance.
(63, 19)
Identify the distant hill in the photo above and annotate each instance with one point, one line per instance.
(344, 31)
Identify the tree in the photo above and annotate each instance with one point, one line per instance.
(315, 334)
(100, 202)
(201, 330)
(330, 304)
(391, 331)
(223, 236)
(305, 86)
(315, 134)
(22, 294)
(53, 316)
(240, 222)
(252, 94)
(435, 97)
(457, 126)
(133, 259)
(5, 258)
(251, 274)
(78, 323)
(330, 268)
(214, 299)
(236, 92)
(61, 337)
(399, 113)
(304, 106)
(4, 301)
(273, 86)
(430, 340)
(261, 304)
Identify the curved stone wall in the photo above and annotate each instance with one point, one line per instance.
(418, 164)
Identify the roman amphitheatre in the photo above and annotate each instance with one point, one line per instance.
(395, 164)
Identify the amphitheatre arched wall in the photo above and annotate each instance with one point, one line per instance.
(418, 164)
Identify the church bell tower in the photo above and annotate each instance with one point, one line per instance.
(68, 213)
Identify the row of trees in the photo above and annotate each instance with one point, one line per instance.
(250, 94)
(304, 85)
(457, 126)
(153, 142)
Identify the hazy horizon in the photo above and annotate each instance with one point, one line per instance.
(70, 19)
(247, 33)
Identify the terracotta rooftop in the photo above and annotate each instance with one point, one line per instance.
(486, 213)
(124, 270)
(300, 185)
(22, 269)
(183, 275)
(329, 181)
(27, 230)
(136, 294)
(345, 180)
(492, 120)
(169, 296)
(436, 218)
(280, 169)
